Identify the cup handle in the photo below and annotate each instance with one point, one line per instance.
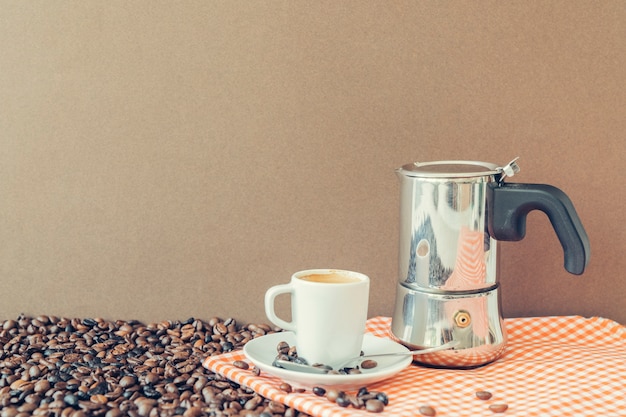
(270, 296)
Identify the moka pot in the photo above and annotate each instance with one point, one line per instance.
(452, 215)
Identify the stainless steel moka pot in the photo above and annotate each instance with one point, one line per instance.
(452, 214)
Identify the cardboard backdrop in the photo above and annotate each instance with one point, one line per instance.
(165, 160)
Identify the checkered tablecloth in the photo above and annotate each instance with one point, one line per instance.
(553, 366)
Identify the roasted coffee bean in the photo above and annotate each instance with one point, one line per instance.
(298, 359)
(319, 391)
(99, 389)
(498, 408)
(276, 407)
(369, 364)
(286, 387)
(241, 364)
(151, 392)
(343, 401)
(34, 372)
(26, 409)
(333, 394)
(9, 324)
(356, 401)
(71, 386)
(483, 395)
(293, 351)
(144, 408)
(82, 396)
(382, 397)
(99, 399)
(152, 378)
(127, 381)
(374, 406)
(33, 399)
(71, 400)
(42, 386)
(89, 322)
(368, 396)
(427, 410)
(283, 348)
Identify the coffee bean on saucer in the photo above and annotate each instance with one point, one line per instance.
(283, 348)
(369, 364)
(498, 408)
(298, 359)
(322, 366)
(427, 410)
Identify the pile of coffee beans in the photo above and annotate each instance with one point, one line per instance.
(62, 367)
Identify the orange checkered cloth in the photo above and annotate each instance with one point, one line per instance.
(553, 366)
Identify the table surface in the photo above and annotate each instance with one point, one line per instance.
(552, 366)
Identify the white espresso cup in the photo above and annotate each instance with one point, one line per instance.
(328, 313)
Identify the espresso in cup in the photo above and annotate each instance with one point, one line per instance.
(328, 310)
(330, 278)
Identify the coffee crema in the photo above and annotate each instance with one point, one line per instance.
(330, 278)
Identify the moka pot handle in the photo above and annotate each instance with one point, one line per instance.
(510, 203)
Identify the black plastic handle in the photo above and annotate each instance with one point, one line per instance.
(510, 203)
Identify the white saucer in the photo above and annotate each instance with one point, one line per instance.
(262, 352)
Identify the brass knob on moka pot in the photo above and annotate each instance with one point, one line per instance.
(452, 215)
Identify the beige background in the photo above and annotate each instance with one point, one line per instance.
(161, 160)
